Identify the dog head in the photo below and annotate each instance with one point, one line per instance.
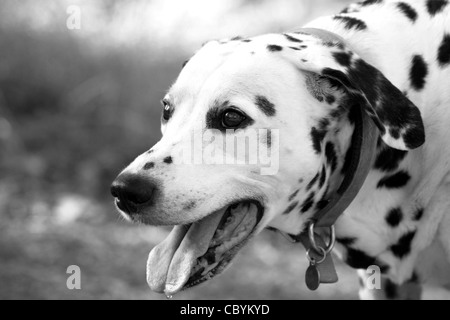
(288, 98)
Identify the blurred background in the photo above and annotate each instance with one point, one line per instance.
(76, 106)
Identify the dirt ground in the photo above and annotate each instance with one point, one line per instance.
(112, 258)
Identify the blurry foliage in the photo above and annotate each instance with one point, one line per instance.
(76, 118)
(75, 108)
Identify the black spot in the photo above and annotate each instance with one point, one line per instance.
(318, 134)
(409, 11)
(403, 246)
(346, 242)
(324, 201)
(370, 2)
(390, 289)
(293, 39)
(150, 151)
(313, 182)
(394, 217)
(309, 202)
(237, 38)
(419, 214)
(352, 23)
(330, 154)
(294, 195)
(414, 137)
(418, 73)
(274, 48)
(343, 58)
(395, 133)
(444, 51)
(294, 48)
(303, 47)
(330, 99)
(322, 204)
(168, 160)
(389, 159)
(324, 123)
(358, 259)
(149, 165)
(396, 181)
(290, 208)
(323, 177)
(319, 97)
(265, 106)
(436, 6)
(317, 137)
(246, 40)
(333, 44)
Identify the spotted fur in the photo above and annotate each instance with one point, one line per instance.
(395, 181)
(351, 23)
(436, 6)
(408, 11)
(418, 73)
(394, 217)
(444, 51)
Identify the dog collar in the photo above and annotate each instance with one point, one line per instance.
(363, 148)
(362, 151)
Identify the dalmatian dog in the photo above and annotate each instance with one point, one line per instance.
(393, 64)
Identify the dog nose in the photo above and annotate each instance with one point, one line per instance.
(131, 191)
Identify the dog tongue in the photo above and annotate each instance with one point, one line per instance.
(159, 259)
(170, 263)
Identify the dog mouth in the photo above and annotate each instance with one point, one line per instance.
(198, 252)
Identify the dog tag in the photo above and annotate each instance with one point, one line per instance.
(326, 269)
(312, 277)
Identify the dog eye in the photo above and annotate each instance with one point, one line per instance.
(232, 119)
(168, 110)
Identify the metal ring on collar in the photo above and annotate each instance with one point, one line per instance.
(314, 245)
(313, 260)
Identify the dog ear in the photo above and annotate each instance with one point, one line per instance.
(397, 118)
